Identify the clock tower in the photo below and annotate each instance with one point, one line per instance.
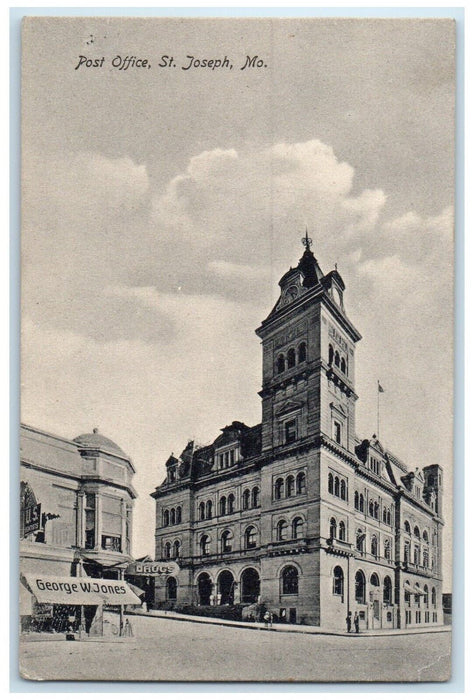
(308, 345)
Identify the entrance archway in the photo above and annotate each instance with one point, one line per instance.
(225, 587)
(204, 589)
(250, 585)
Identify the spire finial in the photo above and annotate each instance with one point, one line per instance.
(306, 241)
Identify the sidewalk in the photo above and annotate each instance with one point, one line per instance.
(283, 627)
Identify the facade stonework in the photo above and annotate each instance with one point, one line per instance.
(297, 512)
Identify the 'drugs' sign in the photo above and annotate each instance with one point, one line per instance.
(153, 568)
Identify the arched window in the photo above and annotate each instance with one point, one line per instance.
(416, 531)
(360, 587)
(374, 545)
(389, 517)
(278, 489)
(387, 550)
(343, 365)
(376, 510)
(251, 537)
(302, 352)
(338, 581)
(356, 500)
(172, 516)
(425, 559)
(374, 580)
(425, 595)
(407, 527)
(255, 497)
(290, 485)
(209, 510)
(331, 354)
(433, 597)
(387, 590)
(280, 364)
(337, 359)
(176, 549)
(301, 483)
(333, 528)
(297, 528)
(246, 500)
(204, 545)
(178, 515)
(171, 588)
(384, 515)
(371, 508)
(226, 541)
(416, 555)
(230, 503)
(425, 536)
(291, 358)
(361, 503)
(342, 531)
(330, 483)
(289, 580)
(360, 539)
(202, 511)
(168, 550)
(336, 486)
(222, 505)
(282, 529)
(343, 489)
(166, 518)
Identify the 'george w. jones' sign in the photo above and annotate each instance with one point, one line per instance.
(153, 568)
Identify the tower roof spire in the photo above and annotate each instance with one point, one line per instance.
(306, 241)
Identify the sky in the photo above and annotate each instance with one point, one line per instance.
(161, 206)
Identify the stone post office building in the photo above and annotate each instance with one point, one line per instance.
(297, 512)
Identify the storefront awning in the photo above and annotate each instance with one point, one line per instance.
(411, 589)
(80, 591)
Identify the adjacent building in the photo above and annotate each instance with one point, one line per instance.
(298, 512)
(75, 510)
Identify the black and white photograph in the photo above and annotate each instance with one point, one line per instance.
(237, 349)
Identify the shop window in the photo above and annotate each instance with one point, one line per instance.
(338, 581)
(171, 588)
(289, 580)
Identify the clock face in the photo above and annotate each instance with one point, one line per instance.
(290, 294)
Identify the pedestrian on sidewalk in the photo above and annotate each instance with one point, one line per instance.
(349, 621)
(267, 618)
(356, 622)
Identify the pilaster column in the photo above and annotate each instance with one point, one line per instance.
(80, 524)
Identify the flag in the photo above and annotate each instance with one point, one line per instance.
(381, 390)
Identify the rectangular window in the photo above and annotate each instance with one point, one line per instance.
(221, 461)
(226, 459)
(111, 544)
(290, 431)
(337, 432)
(90, 521)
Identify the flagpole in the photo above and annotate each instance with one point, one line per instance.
(378, 409)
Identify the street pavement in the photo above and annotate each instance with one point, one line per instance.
(175, 650)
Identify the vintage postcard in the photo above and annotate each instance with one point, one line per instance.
(237, 349)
